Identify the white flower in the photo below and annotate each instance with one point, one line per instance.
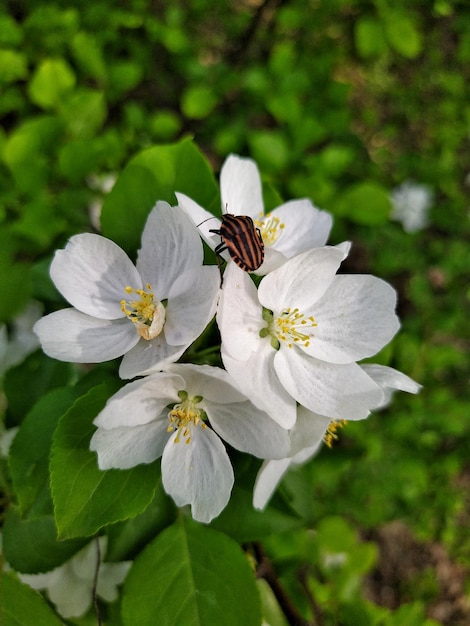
(411, 203)
(70, 586)
(137, 426)
(311, 430)
(6, 439)
(149, 313)
(292, 228)
(14, 348)
(298, 337)
(103, 184)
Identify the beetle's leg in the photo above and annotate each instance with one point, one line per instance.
(218, 255)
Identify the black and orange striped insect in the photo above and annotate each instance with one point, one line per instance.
(242, 240)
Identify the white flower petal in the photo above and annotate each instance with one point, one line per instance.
(305, 227)
(83, 563)
(306, 437)
(141, 401)
(43, 580)
(239, 314)
(69, 335)
(390, 380)
(301, 281)
(240, 187)
(336, 391)
(72, 598)
(272, 260)
(268, 478)
(198, 473)
(110, 576)
(308, 432)
(344, 247)
(212, 383)
(248, 429)
(257, 379)
(202, 219)
(151, 356)
(91, 273)
(122, 447)
(170, 246)
(356, 318)
(192, 303)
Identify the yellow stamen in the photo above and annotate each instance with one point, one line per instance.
(287, 327)
(184, 416)
(331, 433)
(147, 314)
(270, 228)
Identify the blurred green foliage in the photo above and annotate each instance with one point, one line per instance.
(338, 101)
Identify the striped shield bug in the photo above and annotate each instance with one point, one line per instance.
(241, 239)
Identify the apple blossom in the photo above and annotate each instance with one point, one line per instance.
(137, 426)
(291, 228)
(298, 337)
(70, 586)
(311, 430)
(150, 313)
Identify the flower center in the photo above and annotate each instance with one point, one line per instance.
(186, 415)
(331, 433)
(290, 326)
(147, 314)
(270, 228)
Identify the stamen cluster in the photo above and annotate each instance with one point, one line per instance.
(184, 415)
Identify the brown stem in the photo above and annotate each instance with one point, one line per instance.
(266, 570)
(319, 621)
(240, 49)
(95, 581)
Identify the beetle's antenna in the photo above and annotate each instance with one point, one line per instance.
(214, 217)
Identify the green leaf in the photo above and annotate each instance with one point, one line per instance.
(15, 288)
(39, 222)
(89, 56)
(29, 453)
(202, 577)
(164, 124)
(365, 203)
(35, 135)
(124, 76)
(14, 66)
(244, 523)
(334, 534)
(198, 102)
(24, 151)
(269, 150)
(52, 80)
(22, 606)
(11, 33)
(336, 158)
(272, 612)
(86, 498)
(403, 35)
(369, 37)
(155, 174)
(84, 112)
(126, 539)
(31, 546)
(78, 158)
(38, 374)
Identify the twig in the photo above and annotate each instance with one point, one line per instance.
(241, 47)
(319, 621)
(265, 570)
(95, 581)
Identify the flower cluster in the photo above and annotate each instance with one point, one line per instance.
(292, 338)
